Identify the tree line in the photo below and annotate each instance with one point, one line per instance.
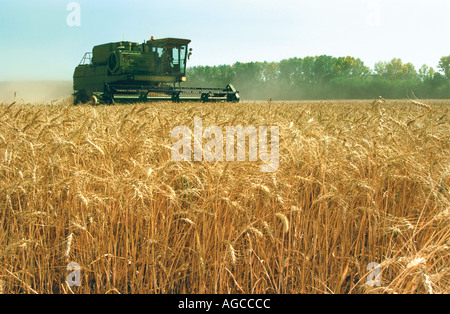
(327, 77)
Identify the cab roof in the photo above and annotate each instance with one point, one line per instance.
(169, 40)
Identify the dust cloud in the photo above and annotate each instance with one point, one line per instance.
(35, 92)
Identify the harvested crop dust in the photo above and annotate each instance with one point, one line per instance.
(359, 182)
(35, 92)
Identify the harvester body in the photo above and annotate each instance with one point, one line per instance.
(128, 71)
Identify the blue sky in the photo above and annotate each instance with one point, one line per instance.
(37, 43)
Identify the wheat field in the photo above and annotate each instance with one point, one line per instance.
(358, 182)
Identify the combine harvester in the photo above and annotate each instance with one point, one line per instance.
(127, 71)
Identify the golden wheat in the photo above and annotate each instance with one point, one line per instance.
(358, 182)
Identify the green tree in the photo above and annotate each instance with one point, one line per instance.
(350, 67)
(270, 71)
(324, 76)
(307, 71)
(290, 71)
(426, 73)
(380, 69)
(395, 70)
(408, 71)
(444, 66)
(324, 68)
(438, 79)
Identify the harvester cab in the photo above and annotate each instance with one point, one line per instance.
(154, 70)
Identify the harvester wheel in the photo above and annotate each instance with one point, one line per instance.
(94, 100)
(205, 97)
(108, 98)
(175, 97)
(83, 97)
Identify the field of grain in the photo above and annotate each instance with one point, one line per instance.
(358, 182)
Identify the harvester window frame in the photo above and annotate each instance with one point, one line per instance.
(178, 56)
(182, 58)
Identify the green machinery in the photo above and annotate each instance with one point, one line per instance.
(154, 70)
